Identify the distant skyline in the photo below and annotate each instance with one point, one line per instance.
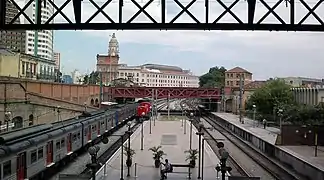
(265, 54)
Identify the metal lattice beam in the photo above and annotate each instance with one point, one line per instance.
(163, 92)
(162, 23)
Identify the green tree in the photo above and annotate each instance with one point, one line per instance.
(215, 77)
(92, 78)
(276, 94)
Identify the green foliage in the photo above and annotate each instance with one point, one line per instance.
(304, 115)
(214, 78)
(129, 151)
(92, 78)
(271, 97)
(157, 152)
(277, 95)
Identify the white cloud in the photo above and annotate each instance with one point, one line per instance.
(207, 41)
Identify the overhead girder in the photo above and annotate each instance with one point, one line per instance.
(76, 24)
(165, 92)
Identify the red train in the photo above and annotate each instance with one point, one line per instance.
(144, 109)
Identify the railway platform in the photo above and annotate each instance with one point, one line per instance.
(170, 135)
(268, 134)
(301, 158)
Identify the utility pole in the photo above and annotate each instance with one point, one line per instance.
(241, 99)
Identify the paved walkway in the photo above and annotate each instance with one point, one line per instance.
(269, 134)
(170, 135)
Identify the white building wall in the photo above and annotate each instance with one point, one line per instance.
(45, 37)
(155, 78)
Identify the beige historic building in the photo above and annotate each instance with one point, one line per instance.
(107, 65)
(150, 75)
(232, 77)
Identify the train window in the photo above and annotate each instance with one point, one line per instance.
(103, 123)
(7, 168)
(33, 156)
(94, 128)
(63, 142)
(74, 137)
(40, 153)
(79, 135)
(58, 145)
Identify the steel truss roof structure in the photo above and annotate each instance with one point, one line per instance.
(162, 23)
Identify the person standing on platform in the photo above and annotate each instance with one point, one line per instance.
(264, 123)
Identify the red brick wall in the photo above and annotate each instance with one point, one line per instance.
(68, 92)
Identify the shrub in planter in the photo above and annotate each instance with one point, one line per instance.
(191, 157)
(129, 152)
(157, 155)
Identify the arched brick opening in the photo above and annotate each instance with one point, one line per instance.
(31, 120)
(92, 102)
(229, 105)
(97, 103)
(18, 122)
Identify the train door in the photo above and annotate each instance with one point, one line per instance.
(69, 143)
(112, 120)
(21, 166)
(89, 132)
(49, 152)
(99, 127)
(117, 118)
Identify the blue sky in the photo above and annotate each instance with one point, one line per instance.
(265, 54)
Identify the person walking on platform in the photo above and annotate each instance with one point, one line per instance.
(167, 168)
(264, 123)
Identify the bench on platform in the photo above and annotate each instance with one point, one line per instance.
(180, 172)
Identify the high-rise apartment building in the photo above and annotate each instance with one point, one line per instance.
(13, 40)
(45, 37)
(57, 59)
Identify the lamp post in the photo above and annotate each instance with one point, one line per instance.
(156, 114)
(224, 155)
(151, 120)
(7, 118)
(142, 130)
(93, 151)
(185, 124)
(199, 133)
(129, 132)
(191, 119)
(280, 113)
(181, 115)
(254, 111)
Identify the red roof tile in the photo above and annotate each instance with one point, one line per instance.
(238, 70)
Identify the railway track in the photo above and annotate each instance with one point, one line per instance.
(237, 169)
(274, 169)
(107, 152)
(112, 149)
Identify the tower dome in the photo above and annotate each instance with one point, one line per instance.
(113, 49)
